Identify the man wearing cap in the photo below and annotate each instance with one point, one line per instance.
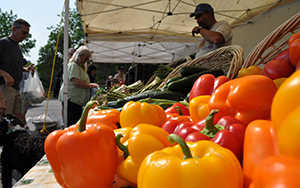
(120, 75)
(215, 34)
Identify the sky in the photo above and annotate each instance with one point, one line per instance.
(40, 14)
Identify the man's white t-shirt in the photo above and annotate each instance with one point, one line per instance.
(222, 27)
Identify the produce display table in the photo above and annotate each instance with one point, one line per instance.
(41, 176)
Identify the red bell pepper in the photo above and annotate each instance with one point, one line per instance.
(174, 121)
(227, 132)
(206, 85)
(178, 108)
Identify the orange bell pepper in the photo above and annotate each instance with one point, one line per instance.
(191, 165)
(259, 143)
(143, 140)
(134, 113)
(110, 117)
(285, 116)
(198, 107)
(277, 171)
(247, 98)
(83, 157)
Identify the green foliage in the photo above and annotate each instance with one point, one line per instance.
(47, 52)
(6, 20)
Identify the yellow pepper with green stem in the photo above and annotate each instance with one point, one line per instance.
(143, 140)
(191, 165)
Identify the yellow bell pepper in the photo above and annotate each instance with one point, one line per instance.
(143, 140)
(285, 116)
(125, 132)
(279, 81)
(134, 113)
(198, 107)
(252, 70)
(191, 165)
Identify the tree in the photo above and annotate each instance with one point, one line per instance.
(47, 52)
(6, 20)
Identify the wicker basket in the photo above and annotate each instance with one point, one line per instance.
(229, 59)
(273, 44)
(173, 65)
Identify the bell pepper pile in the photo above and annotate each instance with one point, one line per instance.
(239, 133)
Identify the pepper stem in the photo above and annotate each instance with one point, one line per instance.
(82, 121)
(184, 147)
(179, 110)
(122, 146)
(211, 129)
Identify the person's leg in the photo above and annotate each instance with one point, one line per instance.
(18, 105)
(12, 99)
(62, 112)
(25, 106)
(74, 113)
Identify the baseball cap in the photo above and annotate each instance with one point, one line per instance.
(202, 8)
(121, 68)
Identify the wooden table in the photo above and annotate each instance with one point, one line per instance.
(41, 176)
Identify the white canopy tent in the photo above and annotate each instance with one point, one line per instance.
(155, 31)
(152, 31)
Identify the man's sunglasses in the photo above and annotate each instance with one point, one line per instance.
(24, 32)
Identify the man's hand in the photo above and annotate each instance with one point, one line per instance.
(29, 68)
(196, 30)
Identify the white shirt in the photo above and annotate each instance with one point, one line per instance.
(222, 27)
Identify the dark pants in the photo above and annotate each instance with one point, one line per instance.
(74, 113)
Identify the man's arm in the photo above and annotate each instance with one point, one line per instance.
(210, 36)
(8, 79)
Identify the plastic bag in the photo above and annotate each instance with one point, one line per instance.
(34, 92)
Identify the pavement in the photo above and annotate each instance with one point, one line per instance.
(53, 107)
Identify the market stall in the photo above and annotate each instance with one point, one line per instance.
(146, 142)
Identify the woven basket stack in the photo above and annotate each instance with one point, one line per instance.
(273, 44)
(228, 58)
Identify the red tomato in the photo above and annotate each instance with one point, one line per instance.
(263, 73)
(285, 54)
(294, 45)
(297, 66)
(278, 68)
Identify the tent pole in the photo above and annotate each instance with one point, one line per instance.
(65, 75)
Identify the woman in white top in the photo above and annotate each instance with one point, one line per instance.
(78, 84)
